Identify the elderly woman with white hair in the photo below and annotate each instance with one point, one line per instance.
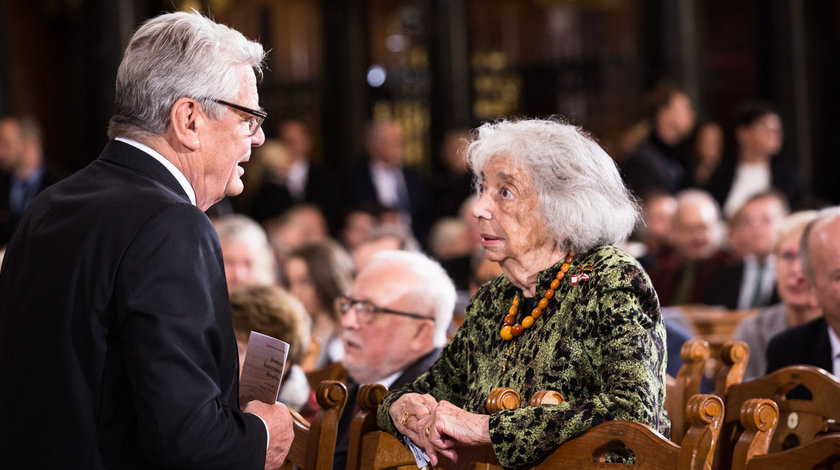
(570, 313)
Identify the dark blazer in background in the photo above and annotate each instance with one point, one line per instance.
(7, 221)
(116, 341)
(804, 344)
(783, 177)
(360, 189)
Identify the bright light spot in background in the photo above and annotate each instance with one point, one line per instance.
(376, 76)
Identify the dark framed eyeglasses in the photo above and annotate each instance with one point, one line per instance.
(255, 122)
(367, 310)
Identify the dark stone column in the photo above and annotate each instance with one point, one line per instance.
(345, 90)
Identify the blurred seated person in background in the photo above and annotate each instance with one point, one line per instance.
(753, 233)
(301, 224)
(453, 183)
(245, 249)
(654, 233)
(393, 325)
(657, 163)
(359, 221)
(759, 136)
(267, 197)
(308, 182)
(451, 245)
(270, 310)
(385, 179)
(817, 342)
(382, 238)
(571, 312)
(699, 271)
(797, 305)
(23, 170)
(317, 274)
(708, 152)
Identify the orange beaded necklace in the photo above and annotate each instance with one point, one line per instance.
(511, 329)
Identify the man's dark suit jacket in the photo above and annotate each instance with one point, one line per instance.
(804, 344)
(783, 177)
(414, 370)
(7, 221)
(360, 189)
(116, 341)
(717, 280)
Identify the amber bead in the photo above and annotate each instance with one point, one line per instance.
(528, 322)
(554, 284)
(565, 267)
(517, 330)
(510, 320)
(513, 310)
(549, 294)
(516, 301)
(543, 304)
(561, 275)
(536, 312)
(506, 333)
(570, 258)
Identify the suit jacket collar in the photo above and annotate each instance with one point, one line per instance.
(416, 368)
(133, 158)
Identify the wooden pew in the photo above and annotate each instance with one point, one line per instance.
(800, 421)
(694, 354)
(373, 449)
(313, 447)
(760, 418)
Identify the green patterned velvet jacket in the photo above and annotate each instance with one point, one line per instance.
(600, 343)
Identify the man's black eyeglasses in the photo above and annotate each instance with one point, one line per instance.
(367, 310)
(255, 122)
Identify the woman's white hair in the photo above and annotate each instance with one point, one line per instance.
(241, 229)
(178, 55)
(432, 289)
(581, 195)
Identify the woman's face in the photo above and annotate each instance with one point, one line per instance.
(301, 285)
(511, 224)
(793, 287)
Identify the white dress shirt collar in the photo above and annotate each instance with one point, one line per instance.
(182, 180)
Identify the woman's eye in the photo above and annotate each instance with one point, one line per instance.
(506, 193)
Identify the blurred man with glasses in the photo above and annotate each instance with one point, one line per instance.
(394, 325)
(116, 339)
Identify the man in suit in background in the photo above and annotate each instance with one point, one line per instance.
(384, 179)
(817, 342)
(394, 325)
(699, 271)
(23, 171)
(117, 348)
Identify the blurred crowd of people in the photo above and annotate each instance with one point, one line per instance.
(301, 244)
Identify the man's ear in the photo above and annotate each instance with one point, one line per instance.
(423, 336)
(187, 121)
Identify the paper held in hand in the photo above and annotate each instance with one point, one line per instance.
(262, 372)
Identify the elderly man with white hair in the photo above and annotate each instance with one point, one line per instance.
(394, 325)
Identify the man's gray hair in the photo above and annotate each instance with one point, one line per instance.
(804, 248)
(581, 195)
(173, 56)
(432, 289)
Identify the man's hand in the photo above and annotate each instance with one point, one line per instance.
(280, 430)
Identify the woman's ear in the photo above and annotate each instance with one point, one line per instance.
(187, 120)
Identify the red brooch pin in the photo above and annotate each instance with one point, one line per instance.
(581, 274)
